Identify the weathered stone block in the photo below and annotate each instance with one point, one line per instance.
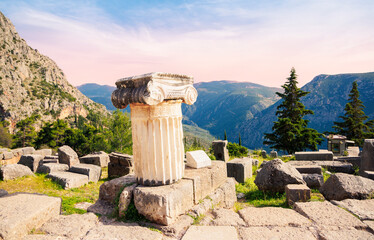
(100, 159)
(120, 165)
(125, 198)
(52, 167)
(263, 154)
(240, 169)
(220, 150)
(297, 193)
(7, 155)
(202, 182)
(68, 179)
(314, 156)
(368, 174)
(28, 150)
(92, 171)
(218, 173)
(309, 169)
(22, 212)
(3, 193)
(110, 189)
(228, 188)
(13, 171)
(50, 159)
(67, 155)
(32, 161)
(163, 204)
(44, 152)
(314, 181)
(367, 156)
(274, 154)
(198, 159)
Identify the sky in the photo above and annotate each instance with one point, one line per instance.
(239, 40)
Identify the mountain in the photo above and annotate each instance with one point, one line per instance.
(99, 93)
(33, 83)
(226, 105)
(327, 98)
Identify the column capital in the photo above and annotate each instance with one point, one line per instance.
(154, 88)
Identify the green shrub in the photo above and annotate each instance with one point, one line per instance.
(235, 150)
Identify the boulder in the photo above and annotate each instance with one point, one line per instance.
(33, 161)
(67, 155)
(13, 171)
(100, 159)
(367, 156)
(110, 189)
(314, 181)
(342, 186)
(52, 167)
(275, 175)
(92, 171)
(274, 154)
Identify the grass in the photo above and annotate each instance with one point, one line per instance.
(43, 185)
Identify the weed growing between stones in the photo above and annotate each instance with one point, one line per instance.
(197, 219)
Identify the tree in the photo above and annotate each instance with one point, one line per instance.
(353, 125)
(290, 132)
(52, 134)
(25, 134)
(5, 137)
(240, 140)
(225, 136)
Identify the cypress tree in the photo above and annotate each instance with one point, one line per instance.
(290, 132)
(353, 125)
(225, 137)
(240, 140)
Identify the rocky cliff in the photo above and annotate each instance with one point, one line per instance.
(33, 83)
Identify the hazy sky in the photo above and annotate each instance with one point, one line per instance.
(254, 41)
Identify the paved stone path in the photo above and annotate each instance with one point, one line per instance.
(311, 220)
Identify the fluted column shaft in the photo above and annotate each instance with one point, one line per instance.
(158, 142)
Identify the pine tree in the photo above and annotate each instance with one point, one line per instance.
(25, 134)
(225, 137)
(353, 125)
(290, 132)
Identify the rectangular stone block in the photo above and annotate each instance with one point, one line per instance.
(202, 182)
(220, 150)
(44, 152)
(7, 155)
(297, 193)
(367, 156)
(198, 159)
(240, 169)
(110, 189)
(92, 171)
(68, 179)
(314, 156)
(32, 161)
(100, 159)
(50, 159)
(218, 173)
(52, 167)
(309, 169)
(163, 204)
(27, 150)
(22, 212)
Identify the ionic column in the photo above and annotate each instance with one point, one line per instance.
(156, 118)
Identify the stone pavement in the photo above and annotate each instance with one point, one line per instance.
(310, 220)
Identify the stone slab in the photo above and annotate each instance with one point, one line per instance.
(163, 204)
(368, 174)
(309, 169)
(273, 216)
(22, 212)
(286, 233)
(13, 171)
(218, 173)
(44, 237)
(314, 156)
(297, 193)
(364, 209)
(179, 227)
(52, 167)
(32, 161)
(68, 179)
(226, 217)
(100, 159)
(122, 231)
(92, 171)
(240, 169)
(332, 166)
(101, 207)
(110, 189)
(211, 232)
(202, 182)
(345, 234)
(198, 159)
(370, 224)
(326, 215)
(73, 226)
(44, 152)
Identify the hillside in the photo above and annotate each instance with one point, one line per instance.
(327, 98)
(33, 83)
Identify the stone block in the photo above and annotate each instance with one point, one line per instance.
(240, 169)
(363, 209)
(68, 179)
(368, 174)
(7, 155)
(314, 156)
(110, 189)
(211, 232)
(355, 161)
(92, 171)
(178, 228)
(32, 161)
(3, 193)
(263, 154)
(13, 171)
(309, 169)
(44, 152)
(333, 166)
(22, 212)
(163, 204)
(274, 154)
(52, 167)
(198, 159)
(17, 152)
(286, 233)
(255, 162)
(100, 159)
(314, 181)
(367, 156)
(218, 173)
(202, 182)
(67, 155)
(297, 193)
(50, 159)
(125, 198)
(229, 193)
(120, 165)
(27, 150)
(220, 150)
